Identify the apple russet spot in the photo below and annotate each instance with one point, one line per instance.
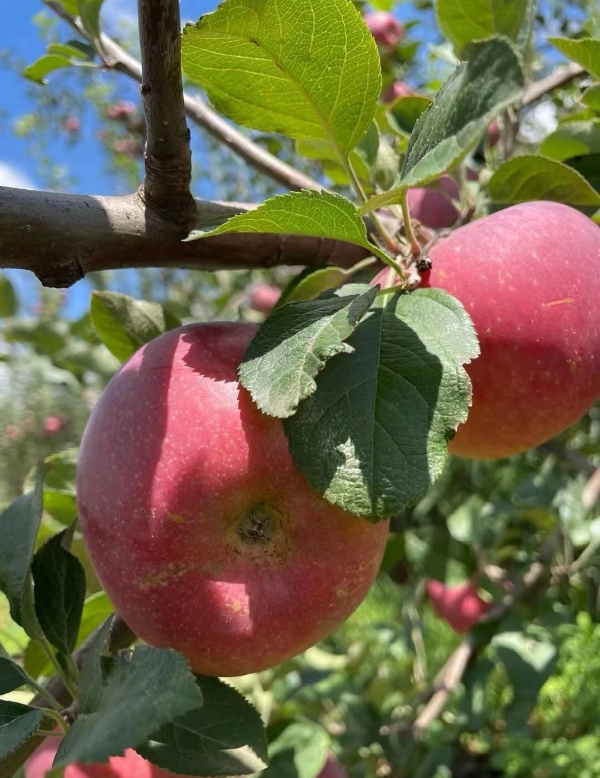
(202, 530)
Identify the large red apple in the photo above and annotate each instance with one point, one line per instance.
(203, 532)
(461, 606)
(130, 765)
(529, 276)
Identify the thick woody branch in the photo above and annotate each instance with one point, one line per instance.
(116, 58)
(168, 157)
(62, 237)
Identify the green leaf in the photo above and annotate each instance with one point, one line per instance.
(372, 438)
(89, 11)
(18, 529)
(529, 663)
(12, 675)
(589, 167)
(8, 297)
(591, 98)
(124, 323)
(406, 111)
(308, 742)
(311, 283)
(572, 139)
(59, 582)
(490, 80)
(584, 51)
(223, 737)
(308, 69)
(139, 695)
(532, 177)
(17, 724)
(70, 6)
(72, 50)
(44, 65)
(320, 214)
(463, 21)
(294, 344)
(92, 669)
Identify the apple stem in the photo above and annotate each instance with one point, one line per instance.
(414, 243)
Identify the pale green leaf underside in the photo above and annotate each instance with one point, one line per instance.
(372, 438)
(572, 139)
(533, 177)
(319, 214)
(294, 344)
(478, 90)
(306, 69)
(585, 51)
(462, 21)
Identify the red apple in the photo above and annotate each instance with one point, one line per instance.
(461, 606)
(263, 297)
(52, 425)
(332, 769)
(493, 133)
(432, 205)
(202, 530)
(395, 90)
(385, 28)
(529, 276)
(130, 765)
(12, 432)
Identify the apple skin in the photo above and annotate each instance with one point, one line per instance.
(130, 765)
(332, 769)
(385, 28)
(461, 606)
(263, 297)
(432, 205)
(529, 277)
(205, 535)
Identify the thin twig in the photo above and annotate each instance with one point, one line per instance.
(562, 75)
(116, 58)
(168, 158)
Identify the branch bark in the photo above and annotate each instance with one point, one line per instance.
(562, 75)
(168, 157)
(61, 237)
(116, 58)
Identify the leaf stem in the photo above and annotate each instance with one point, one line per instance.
(66, 678)
(52, 701)
(55, 716)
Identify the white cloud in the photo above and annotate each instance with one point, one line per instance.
(12, 176)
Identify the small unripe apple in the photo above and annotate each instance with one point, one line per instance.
(529, 277)
(263, 297)
(130, 765)
(385, 28)
(493, 133)
(433, 205)
(202, 530)
(461, 606)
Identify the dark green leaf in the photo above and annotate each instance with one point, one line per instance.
(223, 737)
(310, 70)
(17, 724)
(8, 298)
(490, 80)
(18, 529)
(59, 582)
(139, 695)
(12, 675)
(532, 177)
(93, 668)
(124, 323)
(294, 344)
(587, 166)
(372, 438)
(463, 21)
(406, 111)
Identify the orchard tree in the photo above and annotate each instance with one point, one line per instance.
(408, 416)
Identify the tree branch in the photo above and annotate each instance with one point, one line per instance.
(115, 57)
(61, 237)
(558, 77)
(168, 157)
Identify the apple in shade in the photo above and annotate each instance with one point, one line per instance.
(433, 205)
(529, 277)
(53, 424)
(263, 297)
(332, 769)
(385, 28)
(202, 530)
(461, 606)
(130, 765)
